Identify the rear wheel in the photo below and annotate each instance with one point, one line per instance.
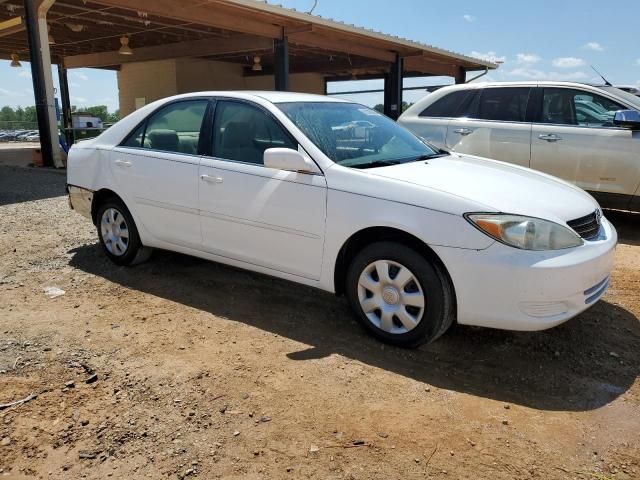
(398, 295)
(118, 234)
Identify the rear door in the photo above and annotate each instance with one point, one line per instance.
(156, 170)
(575, 139)
(494, 124)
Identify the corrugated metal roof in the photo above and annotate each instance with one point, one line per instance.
(277, 9)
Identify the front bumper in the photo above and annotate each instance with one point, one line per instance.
(80, 200)
(503, 287)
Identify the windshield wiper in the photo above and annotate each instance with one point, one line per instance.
(377, 163)
(431, 155)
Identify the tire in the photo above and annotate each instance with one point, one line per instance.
(113, 220)
(389, 305)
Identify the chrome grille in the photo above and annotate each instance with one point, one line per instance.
(588, 226)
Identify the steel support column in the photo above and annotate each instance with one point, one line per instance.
(281, 66)
(461, 75)
(393, 90)
(67, 122)
(40, 58)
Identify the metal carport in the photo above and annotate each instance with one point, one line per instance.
(287, 42)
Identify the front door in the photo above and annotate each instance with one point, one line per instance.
(156, 170)
(265, 217)
(575, 139)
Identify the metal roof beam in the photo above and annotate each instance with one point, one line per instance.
(196, 48)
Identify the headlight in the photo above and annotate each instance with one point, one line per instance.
(526, 233)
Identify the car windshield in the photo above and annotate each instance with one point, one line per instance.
(630, 98)
(355, 136)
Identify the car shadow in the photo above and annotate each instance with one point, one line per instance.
(580, 365)
(627, 224)
(21, 184)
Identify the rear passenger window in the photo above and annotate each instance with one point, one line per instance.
(175, 128)
(504, 104)
(243, 132)
(447, 106)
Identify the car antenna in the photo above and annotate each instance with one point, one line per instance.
(606, 82)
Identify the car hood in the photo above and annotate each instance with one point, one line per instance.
(496, 186)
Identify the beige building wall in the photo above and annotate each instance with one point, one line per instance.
(150, 81)
(145, 80)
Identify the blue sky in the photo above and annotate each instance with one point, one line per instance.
(545, 40)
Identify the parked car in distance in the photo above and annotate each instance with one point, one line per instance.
(415, 237)
(568, 130)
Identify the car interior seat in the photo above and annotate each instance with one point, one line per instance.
(166, 140)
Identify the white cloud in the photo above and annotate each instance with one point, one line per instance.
(595, 46)
(568, 62)
(490, 56)
(527, 58)
(80, 76)
(78, 100)
(25, 74)
(10, 93)
(534, 74)
(572, 76)
(638, 61)
(469, 18)
(74, 84)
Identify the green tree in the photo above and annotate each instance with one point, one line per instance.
(99, 111)
(19, 112)
(7, 114)
(30, 114)
(114, 117)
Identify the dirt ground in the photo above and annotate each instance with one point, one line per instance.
(185, 368)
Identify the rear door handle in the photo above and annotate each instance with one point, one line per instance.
(122, 163)
(210, 179)
(462, 131)
(549, 137)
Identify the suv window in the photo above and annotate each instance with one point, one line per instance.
(504, 104)
(565, 106)
(243, 132)
(447, 106)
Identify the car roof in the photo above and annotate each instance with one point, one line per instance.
(523, 83)
(269, 96)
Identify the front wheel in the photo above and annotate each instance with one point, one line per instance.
(118, 234)
(398, 295)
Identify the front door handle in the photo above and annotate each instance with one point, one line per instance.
(462, 131)
(122, 163)
(210, 179)
(549, 137)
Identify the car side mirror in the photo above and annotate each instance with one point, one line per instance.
(289, 160)
(627, 118)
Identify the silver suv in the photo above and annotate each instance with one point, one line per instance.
(588, 135)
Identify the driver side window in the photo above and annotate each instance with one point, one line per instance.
(564, 106)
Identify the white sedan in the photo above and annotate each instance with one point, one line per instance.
(416, 238)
